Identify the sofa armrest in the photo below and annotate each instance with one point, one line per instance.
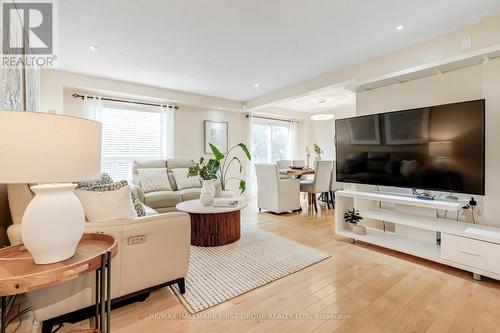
(154, 249)
(139, 191)
(161, 255)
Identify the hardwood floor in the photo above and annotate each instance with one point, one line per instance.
(372, 289)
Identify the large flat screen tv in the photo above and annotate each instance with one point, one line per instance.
(432, 148)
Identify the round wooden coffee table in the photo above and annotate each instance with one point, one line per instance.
(213, 226)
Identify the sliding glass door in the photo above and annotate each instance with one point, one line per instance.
(269, 141)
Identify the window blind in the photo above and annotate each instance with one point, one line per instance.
(130, 134)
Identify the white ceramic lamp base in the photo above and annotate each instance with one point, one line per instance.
(53, 223)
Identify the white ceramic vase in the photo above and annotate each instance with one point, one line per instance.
(207, 192)
(53, 223)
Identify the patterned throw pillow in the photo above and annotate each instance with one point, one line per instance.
(183, 181)
(114, 186)
(155, 179)
(103, 179)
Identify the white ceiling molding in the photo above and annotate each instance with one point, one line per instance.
(434, 68)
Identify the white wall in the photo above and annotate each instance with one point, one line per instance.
(323, 131)
(476, 82)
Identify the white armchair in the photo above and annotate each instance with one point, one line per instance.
(275, 194)
(162, 259)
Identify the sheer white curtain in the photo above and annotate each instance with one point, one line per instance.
(251, 178)
(92, 108)
(292, 141)
(168, 131)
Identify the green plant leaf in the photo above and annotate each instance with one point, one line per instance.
(245, 149)
(237, 159)
(217, 154)
(243, 186)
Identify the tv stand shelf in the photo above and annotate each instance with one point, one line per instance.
(419, 232)
(404, 199)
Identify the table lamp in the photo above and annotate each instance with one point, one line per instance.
(441, 151)
(52, 151)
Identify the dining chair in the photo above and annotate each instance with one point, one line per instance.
(320, 183)
(334, 185)
(299, 163)
(283, 167)
(275, 194)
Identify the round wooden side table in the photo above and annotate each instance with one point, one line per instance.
(19, 273)
(213, 226)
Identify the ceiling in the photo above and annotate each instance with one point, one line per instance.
(223, 48)
(326, 99)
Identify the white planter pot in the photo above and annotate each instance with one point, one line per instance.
(53, 223)
(359, 229)
(207, 192)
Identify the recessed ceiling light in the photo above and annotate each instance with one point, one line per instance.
(256, 85)
(322, 116)
(322, 100)
(400, 27)
(94, 48)
(219, 108)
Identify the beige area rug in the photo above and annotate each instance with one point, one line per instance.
(217, 274)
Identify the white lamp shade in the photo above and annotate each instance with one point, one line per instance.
(47, 148)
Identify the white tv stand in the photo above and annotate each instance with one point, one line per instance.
(420, 232)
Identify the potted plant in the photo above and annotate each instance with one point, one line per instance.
(207, 172)
(225, 163)
(352, 217)
(318, 151)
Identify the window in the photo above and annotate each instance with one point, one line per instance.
(132, 133)
(269, 141)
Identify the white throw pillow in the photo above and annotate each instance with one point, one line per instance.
(183, 181)
(408, 167)
(154, 179)
(108, 205)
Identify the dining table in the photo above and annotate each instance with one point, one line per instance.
(298, 173)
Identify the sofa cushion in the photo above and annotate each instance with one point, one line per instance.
(183, 181)
(154, 179)
(190, 194)
(161, 199)
(150, 164)
(176, 163)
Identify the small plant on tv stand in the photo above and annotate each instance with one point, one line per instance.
(352, 216)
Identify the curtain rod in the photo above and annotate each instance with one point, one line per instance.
(275, 119)
(170, 106)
